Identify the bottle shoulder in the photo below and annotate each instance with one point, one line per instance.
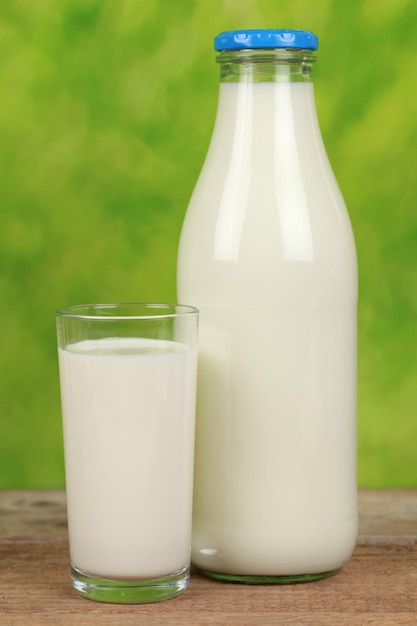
(266, 148)
(267, 207)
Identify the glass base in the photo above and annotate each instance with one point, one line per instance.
(267, 580)
(129, 591)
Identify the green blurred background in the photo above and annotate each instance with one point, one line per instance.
(106, 111)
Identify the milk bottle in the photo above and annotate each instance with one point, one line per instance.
(268, 256)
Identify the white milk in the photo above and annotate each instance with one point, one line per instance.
(267, 255)
(128, 417)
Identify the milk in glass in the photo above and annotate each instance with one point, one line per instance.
(128, 415)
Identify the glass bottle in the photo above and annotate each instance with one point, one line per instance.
(268, 256)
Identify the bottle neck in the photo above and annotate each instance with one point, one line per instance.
(264, 65)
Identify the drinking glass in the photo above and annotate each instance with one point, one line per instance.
(128, 388)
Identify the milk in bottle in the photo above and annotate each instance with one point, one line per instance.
(267, 255)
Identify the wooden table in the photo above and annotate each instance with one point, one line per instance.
(378, 586)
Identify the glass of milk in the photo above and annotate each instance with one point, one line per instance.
(128, 388)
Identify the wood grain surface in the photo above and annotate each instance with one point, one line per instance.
(378, 585)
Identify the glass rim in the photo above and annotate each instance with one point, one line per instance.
(157, 310)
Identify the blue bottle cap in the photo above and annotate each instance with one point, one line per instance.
(265, 38)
